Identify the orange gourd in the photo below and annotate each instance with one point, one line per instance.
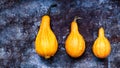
(75, 44)
(46, 43)
(101, 47)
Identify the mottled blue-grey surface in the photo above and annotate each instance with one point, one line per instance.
(20, 21)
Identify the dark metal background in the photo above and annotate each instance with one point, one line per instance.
(19, 23)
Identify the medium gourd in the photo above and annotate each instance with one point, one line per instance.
(46, 43)
(101, 47)
(75, 44)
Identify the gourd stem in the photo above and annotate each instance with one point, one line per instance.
(47, 57)
(74, 26)
(101, 32)
(76, 18)
(49, 9)
(46, 17)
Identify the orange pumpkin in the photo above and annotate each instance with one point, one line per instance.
(75, 44)
(101, 47)
(46, 43)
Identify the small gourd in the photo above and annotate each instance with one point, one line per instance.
(75, 44)
(101, 47)
(46, 43)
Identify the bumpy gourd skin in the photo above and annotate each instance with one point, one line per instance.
(46, 43)
(101, 47)
(75, 44)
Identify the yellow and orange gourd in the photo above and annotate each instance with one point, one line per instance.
(101, 47)
(75, 44)
(46, 43)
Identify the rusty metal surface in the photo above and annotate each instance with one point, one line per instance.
(19, 24)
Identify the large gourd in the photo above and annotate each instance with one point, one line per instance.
(46, 43)
(101, 47)
(75, 44)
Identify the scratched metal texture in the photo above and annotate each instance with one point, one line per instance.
(20, 21)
